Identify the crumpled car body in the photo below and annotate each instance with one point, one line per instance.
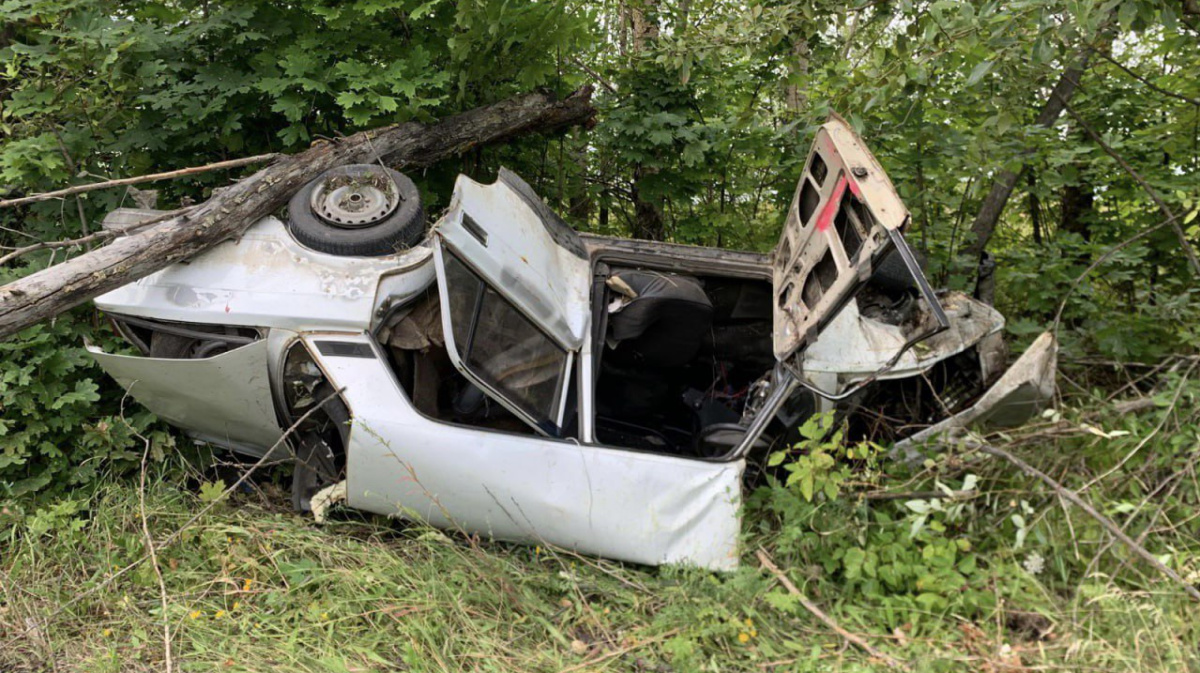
(513, 378)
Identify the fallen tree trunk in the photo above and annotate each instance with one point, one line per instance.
(51, 291)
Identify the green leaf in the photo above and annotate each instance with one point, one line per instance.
(1126, 14)
(782, 600)
(977, 74)
(806, 486)
(212, 491)
(853, 562)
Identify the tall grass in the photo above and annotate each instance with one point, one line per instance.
(252, 587)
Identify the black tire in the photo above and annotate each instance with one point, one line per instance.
(316, 468)
(401, 230)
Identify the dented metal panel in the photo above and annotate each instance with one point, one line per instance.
(522, 251)
(266, 279)
(225, 399)
(852, 347)
(1026, 388)
(620, 504)
(836, 229)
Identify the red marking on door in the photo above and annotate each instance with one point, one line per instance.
(831, 206)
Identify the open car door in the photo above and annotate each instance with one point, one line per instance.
(844, 218)
(513, 280)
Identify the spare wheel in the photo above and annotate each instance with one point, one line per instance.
(357, 210)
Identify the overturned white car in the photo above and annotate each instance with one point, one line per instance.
(507, 376)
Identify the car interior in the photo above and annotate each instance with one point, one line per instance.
(682, 357)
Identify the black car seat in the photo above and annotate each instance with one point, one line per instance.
(658, 319)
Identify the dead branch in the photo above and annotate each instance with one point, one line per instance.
(51, 291)
(1150, 191)
(102, 235)
(1104, 521)
(155, 177)
(1133, 406)
(854, 639)
(1150, 85)
(612, 88)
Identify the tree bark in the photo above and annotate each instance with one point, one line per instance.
(797, 74)
(1078, 202)
(644, 15)
(993, 204)
(648, 220)
(1035, 207)
(51, 291)
(648, 223)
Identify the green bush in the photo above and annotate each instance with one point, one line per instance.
(901, 560)
(59, 423)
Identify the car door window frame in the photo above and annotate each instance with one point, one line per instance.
(552, 424)
(581, 374)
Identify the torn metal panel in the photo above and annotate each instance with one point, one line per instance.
(853, 347)
(225, 399)
(621, 504)
(1027, 387)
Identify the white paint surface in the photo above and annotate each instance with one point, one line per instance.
(267, 279)
(225, 399)
(616, 503)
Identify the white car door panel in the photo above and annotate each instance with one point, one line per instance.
(513, 280)
(615, 503)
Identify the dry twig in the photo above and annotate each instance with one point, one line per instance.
(150, 551)
(857, 640)
(153, 177)
(1104, 521)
